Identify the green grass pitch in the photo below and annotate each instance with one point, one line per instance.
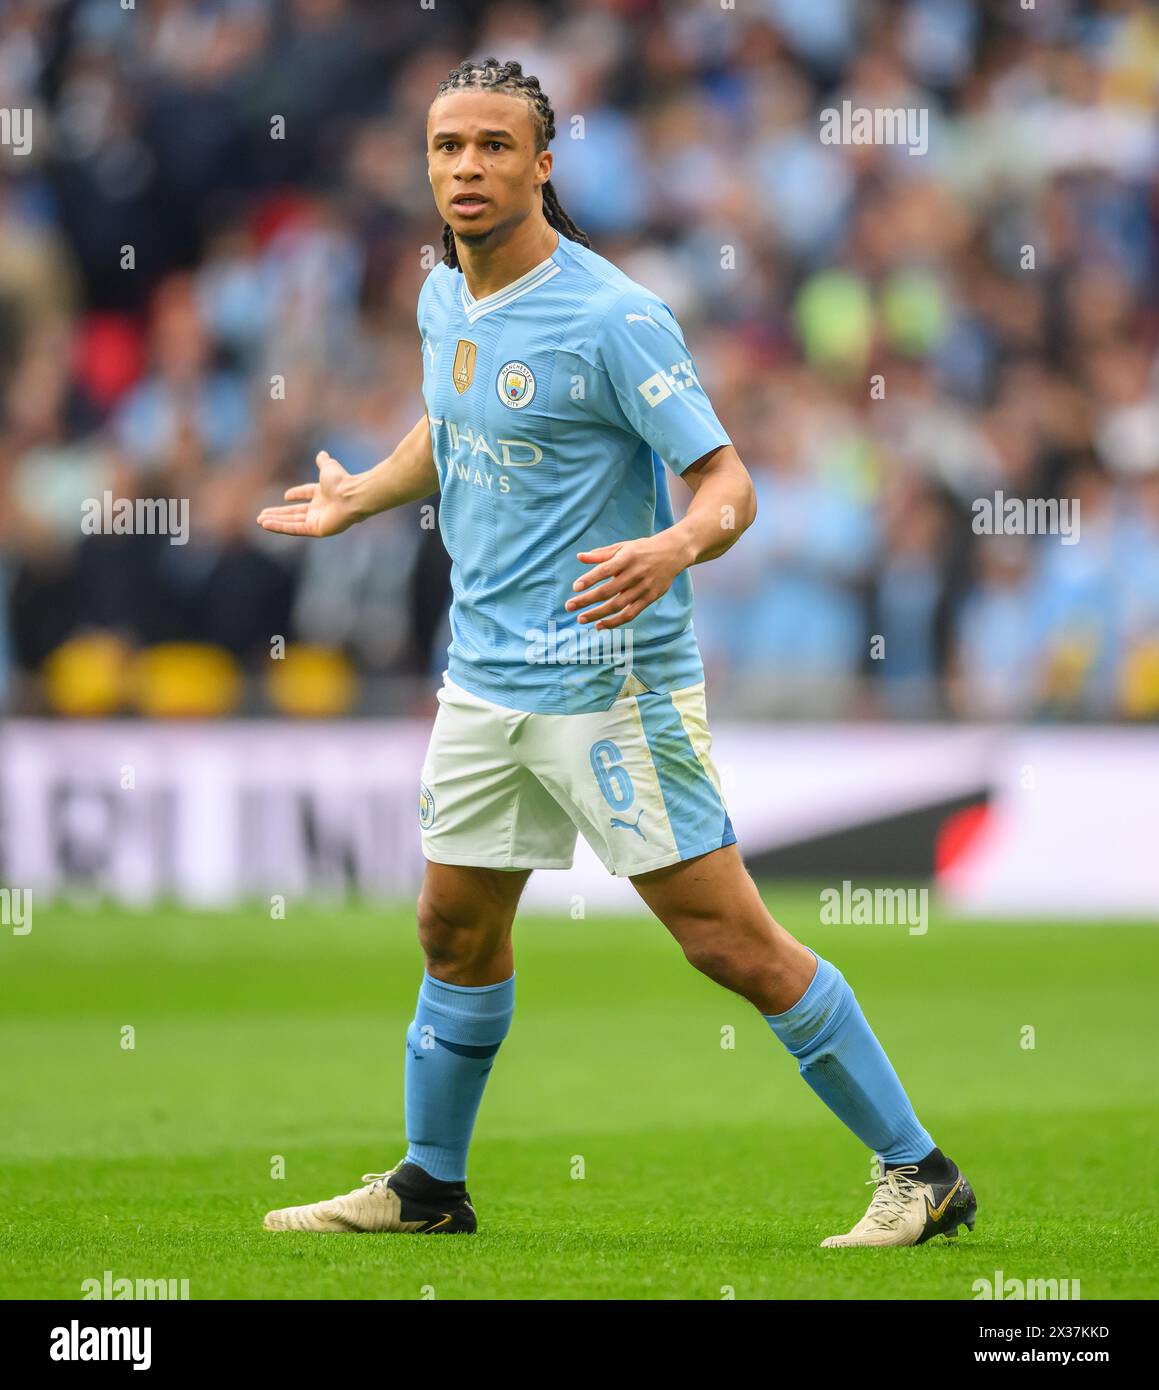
(705, 1169)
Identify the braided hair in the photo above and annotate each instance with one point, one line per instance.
(493, 76)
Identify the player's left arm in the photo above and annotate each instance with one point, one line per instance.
(646, 384)
(629, 575)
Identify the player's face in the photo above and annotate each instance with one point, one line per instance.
(485, 173)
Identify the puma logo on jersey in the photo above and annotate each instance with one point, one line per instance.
(618, 823)
(645, 317)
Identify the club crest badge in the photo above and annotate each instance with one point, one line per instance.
(426, 806)
(463, 372)
(515, 384)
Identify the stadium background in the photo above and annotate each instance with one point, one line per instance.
(1003, 748)
(301, 257)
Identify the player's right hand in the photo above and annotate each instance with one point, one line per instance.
(317, 509)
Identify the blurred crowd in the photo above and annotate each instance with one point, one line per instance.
(211, 249)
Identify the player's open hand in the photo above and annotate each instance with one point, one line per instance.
(317, 509)
(628, 576)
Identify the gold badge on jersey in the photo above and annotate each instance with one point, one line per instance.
(463, 372)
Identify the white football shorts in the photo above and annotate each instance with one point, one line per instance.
(509, 789)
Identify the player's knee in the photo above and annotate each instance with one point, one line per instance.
(742, 965)
(457, 932)
(721, 961)
(439, 924)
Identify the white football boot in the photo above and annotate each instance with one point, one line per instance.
(379, 1207)
(903, 1211)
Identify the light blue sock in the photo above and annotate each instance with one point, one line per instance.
(843, 1062)
(450, 1048)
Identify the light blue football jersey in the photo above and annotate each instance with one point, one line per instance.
(554, 405)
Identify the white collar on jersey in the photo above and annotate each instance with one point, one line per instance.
(536, 276)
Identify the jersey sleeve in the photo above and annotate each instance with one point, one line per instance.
(651, 387)
(421, 308)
